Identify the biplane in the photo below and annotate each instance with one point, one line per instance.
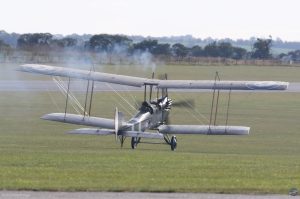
(153, 111)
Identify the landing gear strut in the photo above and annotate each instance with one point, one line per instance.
(134, 142)
(172, 142)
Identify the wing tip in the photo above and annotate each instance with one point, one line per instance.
(268, 85)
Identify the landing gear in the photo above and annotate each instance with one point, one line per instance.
(134, 142)
(170, 141)
(173, 143)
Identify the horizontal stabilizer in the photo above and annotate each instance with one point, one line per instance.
(80, 120)
(142, 134)
(204, 129)
(90, 131)
(139, 82)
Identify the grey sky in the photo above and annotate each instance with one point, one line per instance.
(200, 18)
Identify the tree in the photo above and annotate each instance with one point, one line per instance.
(34, 41)
(108, 43)
(161, 49)
(66, 42)
(145, 45)
(4, 46)
(5, 49)
(262, 48)
(238, 53)
(179, 50)
(211, 50)
(295, 55)
(225, 49)
(197, 51)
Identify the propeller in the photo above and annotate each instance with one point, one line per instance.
(189, 103)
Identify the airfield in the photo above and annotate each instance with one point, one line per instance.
(38, 155)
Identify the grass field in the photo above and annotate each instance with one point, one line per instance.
(37, 155)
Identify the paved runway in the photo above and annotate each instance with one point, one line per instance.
(129, 195)
(30, 85)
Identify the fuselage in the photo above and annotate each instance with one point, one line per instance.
(150, 115)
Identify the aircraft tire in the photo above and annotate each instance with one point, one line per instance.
(173, 143)
(134, 142)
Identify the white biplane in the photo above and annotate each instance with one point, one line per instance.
(152, 114)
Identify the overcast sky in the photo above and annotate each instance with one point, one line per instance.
(200, 18)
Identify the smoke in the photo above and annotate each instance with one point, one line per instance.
(141, 62)
(144, 59)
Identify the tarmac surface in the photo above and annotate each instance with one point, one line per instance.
(129, 195)
(35, 86)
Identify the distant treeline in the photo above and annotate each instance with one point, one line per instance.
(121, 45)
(187, 40)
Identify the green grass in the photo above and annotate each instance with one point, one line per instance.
(37, 155)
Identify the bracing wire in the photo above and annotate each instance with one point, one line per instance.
(53, 101)
(121, 105)
(120, 96)
(61, 85)
(132, 97)
(63, 89)
(73, 99)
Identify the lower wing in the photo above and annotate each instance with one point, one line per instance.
(138, 134)
(108, 125)
(204, 129)
(80, 120)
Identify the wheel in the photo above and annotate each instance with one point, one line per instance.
(173, 143)
(134, 142)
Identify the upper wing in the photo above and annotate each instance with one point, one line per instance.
(223, 85)
(204, 129)
(83, 74)
(139, 82)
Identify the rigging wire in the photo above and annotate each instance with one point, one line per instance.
(120, 96)
(133, 97)
(53, 101)
(73, 99)
(120, 104)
